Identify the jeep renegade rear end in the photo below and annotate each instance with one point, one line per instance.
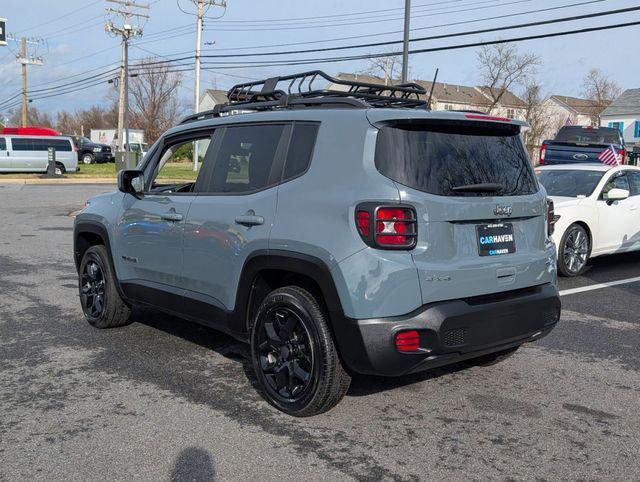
(374, 236)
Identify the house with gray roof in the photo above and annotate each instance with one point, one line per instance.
(455, 97)
(624, 113)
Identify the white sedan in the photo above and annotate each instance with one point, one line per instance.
(597, 210)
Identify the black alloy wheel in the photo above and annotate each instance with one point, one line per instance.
(92, 290)
(286, 354)
(294, 356)
(102, 305)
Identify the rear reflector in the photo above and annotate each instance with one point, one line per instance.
(407, 341)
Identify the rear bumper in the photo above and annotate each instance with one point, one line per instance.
(450, 331)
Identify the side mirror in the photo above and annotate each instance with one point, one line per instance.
(131, 181)
(616, 194)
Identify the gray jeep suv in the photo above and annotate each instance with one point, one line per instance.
(338, 231)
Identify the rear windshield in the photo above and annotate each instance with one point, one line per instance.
(586, 135)
(436, 159)
(569, 183)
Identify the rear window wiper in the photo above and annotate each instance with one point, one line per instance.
(482, 187)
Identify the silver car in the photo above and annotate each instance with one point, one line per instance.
(20, 153)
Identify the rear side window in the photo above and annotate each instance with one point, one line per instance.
(300, 150)
(585, 135)
(58, 144)
(438, 158)
(245, 159)
(3, 144)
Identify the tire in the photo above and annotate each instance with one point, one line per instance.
(492, 358)
(294, 356)
(101, 304)
(60, 169)
(88, 158)
(574, 251)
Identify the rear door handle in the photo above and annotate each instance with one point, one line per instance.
(249, 220)
(171, 216)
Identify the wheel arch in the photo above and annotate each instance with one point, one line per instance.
(267, 270)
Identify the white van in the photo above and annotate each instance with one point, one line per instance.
(30, 153)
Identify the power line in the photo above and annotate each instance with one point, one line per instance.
(226, 65)
(513, 2)
(434, 37)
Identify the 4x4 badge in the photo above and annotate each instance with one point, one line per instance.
(503, 210)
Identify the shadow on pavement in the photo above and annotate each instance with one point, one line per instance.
(232, 349)
(193, 463)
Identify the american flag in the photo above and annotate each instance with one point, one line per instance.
(609, 156)
(569, 121)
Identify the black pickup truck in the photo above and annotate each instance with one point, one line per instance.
(581, 144)
(90, 152)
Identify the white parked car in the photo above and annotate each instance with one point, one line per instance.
(26, 153)
(597, 208)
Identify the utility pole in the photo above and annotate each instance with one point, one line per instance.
(26, 59)
(199, 15)
(405, 43)
(127, 10)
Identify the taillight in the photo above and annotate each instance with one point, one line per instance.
(388, 227)
(622, 155)
(543, 152)
(552, 218)
(407, 341)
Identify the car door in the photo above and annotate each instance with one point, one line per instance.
(233, 213)
(615, 227)
(149, 230)
(5, 158)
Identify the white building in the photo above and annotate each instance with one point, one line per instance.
(624, 113)
(211, 98)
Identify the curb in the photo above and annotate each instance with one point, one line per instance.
(87, 180)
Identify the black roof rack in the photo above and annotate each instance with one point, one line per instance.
(299, 91)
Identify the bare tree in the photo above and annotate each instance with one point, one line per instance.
(154, 104)
(599, 89)
(388, 68)
(82, 121)
(35, 117)
(537, 117)
(502, 68)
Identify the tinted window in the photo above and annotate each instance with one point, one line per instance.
(588, 135)
(57, 144)
(569, 183)
(245, 159)
(300, 149)
(3, 144)
(634, 182)
(22, 144)
(436, 159)
(30, 144)
(619, 181)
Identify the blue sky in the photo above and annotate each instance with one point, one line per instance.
(77, 42)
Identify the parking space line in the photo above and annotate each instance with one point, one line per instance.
(598, 286)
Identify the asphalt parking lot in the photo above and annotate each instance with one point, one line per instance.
(164, 399)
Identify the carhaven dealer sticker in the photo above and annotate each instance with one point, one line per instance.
(495, 239)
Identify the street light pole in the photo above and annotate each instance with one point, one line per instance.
(405, 44)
